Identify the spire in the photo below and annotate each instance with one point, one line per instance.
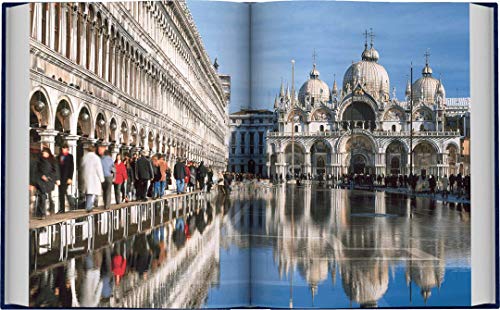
(276, 102)
(408, 89)
(287, 95)
(216, 64)
(334, 88)
(282, 90)
(427, 71)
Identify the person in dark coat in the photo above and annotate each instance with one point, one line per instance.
(143, 173)
(201, 173)
(66, 170)
(210, 177)
(179, 175)
(45, 176)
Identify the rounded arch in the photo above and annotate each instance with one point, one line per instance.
(321, 156)
(40, 108)
(359, 114)
(299, 151)
(396, 157)
(124, 133)
(113, 132)
(151, 139)
(425, 158)
(452, 157)
(133, 135)
(341, 143)
(300, 116)
(63, 115)
(100, 130)
(321, 114)
(142, 136)
(84, 122)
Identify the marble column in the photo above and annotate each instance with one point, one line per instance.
(48, 138)
(71, 141)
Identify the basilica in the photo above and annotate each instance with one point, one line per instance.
(361, 127)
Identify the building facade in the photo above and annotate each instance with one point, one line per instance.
(134, 75)
(247, 144)
(361, 127)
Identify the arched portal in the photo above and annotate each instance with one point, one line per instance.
(320, 157)
(360, 151)
(452, 159)
(299, 158)
(425, 159)
(396, 157)
(359, 114)
(358, 164)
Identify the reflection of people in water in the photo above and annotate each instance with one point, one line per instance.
(91, 283)
(106, 274)
(63, 287)
(119, 262)
(44, 295)
(142, 255)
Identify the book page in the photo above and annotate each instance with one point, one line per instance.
(369, 154)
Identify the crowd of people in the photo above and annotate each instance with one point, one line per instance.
(455, 184)
(134, 177)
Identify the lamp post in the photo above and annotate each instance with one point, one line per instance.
(411, 119)
(293, 121)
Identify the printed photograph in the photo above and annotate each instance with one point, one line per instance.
(210, 154)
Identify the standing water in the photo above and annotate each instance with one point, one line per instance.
(283, 246)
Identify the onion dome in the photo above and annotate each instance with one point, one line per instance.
(372, 77)
(314, 90)
(426, 88)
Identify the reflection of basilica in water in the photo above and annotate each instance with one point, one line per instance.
(359, 239)
(362, 127)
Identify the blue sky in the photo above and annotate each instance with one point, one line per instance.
(282, 31)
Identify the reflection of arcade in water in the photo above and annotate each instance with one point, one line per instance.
(168, 265)
(361, 237)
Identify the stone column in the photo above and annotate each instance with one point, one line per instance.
(307, 163)
(48, 137)
(72, 140)
(62, 28)
(36, 31)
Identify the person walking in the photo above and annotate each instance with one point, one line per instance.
(156, 177)
(143, 174)
(187, 177)
(66, 169)
(108, 168)
(201, 173)
(121, 177)
(45, 176)
(179, 175)
(131, 184)
(444, 186)
(92, 176)
(210, 176)
(163, 172)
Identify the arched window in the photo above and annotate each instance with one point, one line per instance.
(321, 128)
(296, 128)
(422, 127)
(393, 128)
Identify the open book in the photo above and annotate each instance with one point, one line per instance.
(283, 154)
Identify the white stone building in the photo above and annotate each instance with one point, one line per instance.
(361, 127)
(247, 144)
(134, 75)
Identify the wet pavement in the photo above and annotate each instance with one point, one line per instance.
(284, 246)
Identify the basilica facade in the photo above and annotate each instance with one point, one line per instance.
(361, 127)
(133, 75)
